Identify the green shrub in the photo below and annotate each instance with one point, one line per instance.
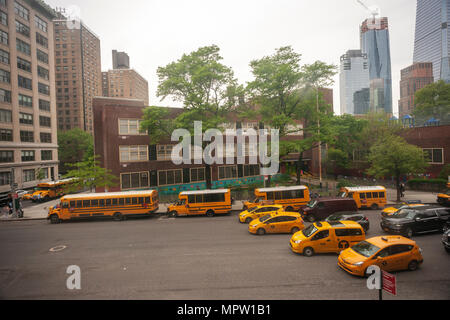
(427, 184)
(345, 183)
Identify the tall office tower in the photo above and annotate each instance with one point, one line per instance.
(354, 76)
(121, 60)
(125, 83)
(78, 73)
(432, 39)
(375, 43)
(28, 140)
(414, 78)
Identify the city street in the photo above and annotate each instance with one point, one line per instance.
(190, 258)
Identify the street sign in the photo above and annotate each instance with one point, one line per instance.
(389, 283)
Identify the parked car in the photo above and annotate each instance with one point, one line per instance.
(322, 208)
(444, 198)
(284, 222)
(446, 240)
(351, 216)
(249, 215)
(412, 221)
(392, 210)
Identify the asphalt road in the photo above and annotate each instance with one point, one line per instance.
(190, 258)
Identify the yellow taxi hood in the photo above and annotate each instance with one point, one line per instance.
(299, 236)
(351, 256)
(243, 213)
(390, 210)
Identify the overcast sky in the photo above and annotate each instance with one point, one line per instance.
(157, 32)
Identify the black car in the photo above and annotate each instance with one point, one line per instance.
(411, 221)
(446, 241)
(350, 216)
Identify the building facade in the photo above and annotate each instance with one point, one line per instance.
(432, 37)
(125, 83)
(374, 33)
(120, 60)
(413, 78)
(78, 74)
(354, 77)
(28, 139)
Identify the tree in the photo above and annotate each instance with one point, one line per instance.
(337, 158)
(319, 75)
(433, 101)
(75, 146)
(157, 122)
(393, 156)
(88, 173)
(204, 85)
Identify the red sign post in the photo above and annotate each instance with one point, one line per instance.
(389, 283)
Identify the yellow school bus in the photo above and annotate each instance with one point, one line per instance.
(205, 202)
(291, 198)
(366, 197)
(49, 190)
(118, 205)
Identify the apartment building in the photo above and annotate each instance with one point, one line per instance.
(125, 83)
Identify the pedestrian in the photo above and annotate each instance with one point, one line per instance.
(402, 190)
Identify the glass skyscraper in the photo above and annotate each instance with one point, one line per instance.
(432, 38)
(376, 44)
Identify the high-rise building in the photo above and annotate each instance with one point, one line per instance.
(375, 43)
(28, 139)
(78, 73)
(121, 60)
(354, 76)
(432, 38)
(125, 83)
(413, 78)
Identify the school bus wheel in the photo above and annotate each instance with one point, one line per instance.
(54, 219)
(374, 206)
(117, 216)
(210, 213)
(173, 214)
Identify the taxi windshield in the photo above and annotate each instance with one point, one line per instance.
(365, 249)
(265, 218)
(252, 209)
(309, 231)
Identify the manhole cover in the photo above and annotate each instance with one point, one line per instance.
(57, 248)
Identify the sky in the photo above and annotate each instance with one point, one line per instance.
(155, 33)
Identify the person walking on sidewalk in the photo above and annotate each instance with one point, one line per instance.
(402, 190)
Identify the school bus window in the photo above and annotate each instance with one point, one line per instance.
(128, 201)
(79, 204)
(374, 195)
(121, 201)
(147, 200)
(86, 203)
(94, 203)
(350, 195)
(101, 202)
(381, 194)
(72, 204)
(134, 201)
(65, 204)
(199, 198)
(369, 195)
(217, 197)
(191, 199)
(362, 195)
(108, 202)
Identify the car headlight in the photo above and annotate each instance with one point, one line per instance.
(297, 241)
(398, 225)
(358, 264)
(254, 226)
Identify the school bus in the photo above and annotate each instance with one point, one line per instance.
(291, 198)
(366, 197)
(118, 205)
(205, 202)
(49, 190)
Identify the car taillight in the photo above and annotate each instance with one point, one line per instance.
(367, 219)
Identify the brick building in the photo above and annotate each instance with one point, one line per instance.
(413, 78)
(28, 139)
(125, 83)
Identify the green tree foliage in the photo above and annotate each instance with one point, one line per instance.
(337, 158)
(75, 146)
(157, 122)
(89, 174)
(433, 101)
(393, 156)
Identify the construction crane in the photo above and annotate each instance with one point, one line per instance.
(374, 10)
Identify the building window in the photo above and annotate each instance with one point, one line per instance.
(6, 156)
(164, 152)
(5, 116)
(21, 11)
(29, 175)
(5, 76)
(46, 155)
(5, 96)
(45, 121)
(228, 172)
(25, 118)
(434, 156)
(25, 83)
(40, 39)
(23, 47)
(44, 105)
(170, 177)
(28, 156)
(26, 136)
(5, 178)
(40, 24)
(4, 37)
(22, 29)
(6, 135)
(135, 180)
(251, 170)
(43, 73)
(25, 101)
(130, 127)
(43, 88)
(46, 137)
(23, 64)
(3, 18)
(42, 56)
(133, 153)
(197, 174)
(4, 56)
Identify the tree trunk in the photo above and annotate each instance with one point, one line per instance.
(208, 177)
(397, 180)
(299, 168)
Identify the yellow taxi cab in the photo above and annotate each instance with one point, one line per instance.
(393, 210)
(327, 237)
(390, 253)
(28, 195)
(283, 222)
(444, 198)
(249, 215)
